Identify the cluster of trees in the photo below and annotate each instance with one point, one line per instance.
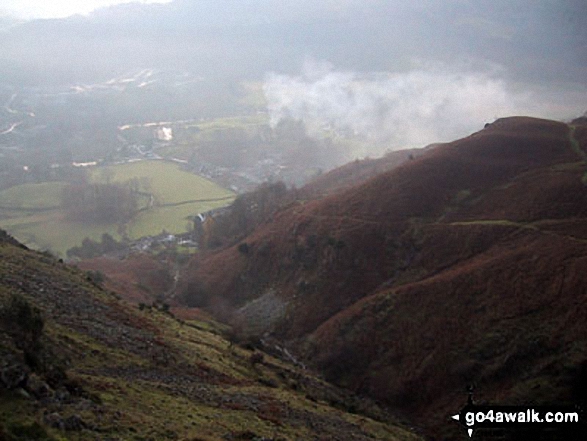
(247, 212)
(91, 248)
(101, 202)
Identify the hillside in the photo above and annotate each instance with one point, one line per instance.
(465, 265)
(76, 363)
(357, 172)
(139, 278)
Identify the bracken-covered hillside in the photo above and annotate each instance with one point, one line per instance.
(465, 265)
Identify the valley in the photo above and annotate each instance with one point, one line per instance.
(293, 221)
(462, 266)
(53, 136)
(402, 280)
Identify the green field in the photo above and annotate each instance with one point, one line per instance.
(31, 212)
(168, 182)
(42, 196)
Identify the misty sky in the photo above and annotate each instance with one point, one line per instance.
(28, 9)
(408, 72)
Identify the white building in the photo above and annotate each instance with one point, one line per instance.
(164, 134)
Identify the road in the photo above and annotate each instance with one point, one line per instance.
(11, 129)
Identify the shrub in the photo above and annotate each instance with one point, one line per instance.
(22, 322)
(243, 248)
(96, 277)
(256, 358)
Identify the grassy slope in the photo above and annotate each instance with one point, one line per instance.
(137, 375)
(48, 229)
(407, 286)
(46, 195)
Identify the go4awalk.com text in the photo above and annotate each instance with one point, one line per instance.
(570, 419)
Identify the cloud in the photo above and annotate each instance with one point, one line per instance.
(400, 110)
(405, 109)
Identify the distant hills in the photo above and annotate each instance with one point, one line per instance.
(245, 40)
(465, 265)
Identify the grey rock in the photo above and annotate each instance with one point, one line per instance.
(54, 420)
(38, 388)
